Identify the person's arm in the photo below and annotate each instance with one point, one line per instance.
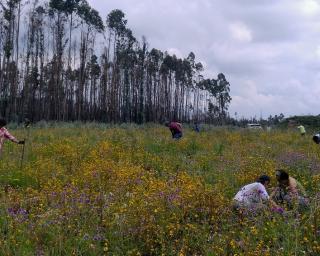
(293, 189)
(263, 192)
(265, 197)
(8, 136)
(273, 204)
(273, 192)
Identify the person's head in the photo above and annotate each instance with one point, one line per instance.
(316, 138)
(3, 122)
(264, 180)
(282, 177)
(167, 123)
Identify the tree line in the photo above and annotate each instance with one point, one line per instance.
(60, 60)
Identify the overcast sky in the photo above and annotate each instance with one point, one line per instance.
(269, 50)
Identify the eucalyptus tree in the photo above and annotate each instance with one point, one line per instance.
(88, 20)
(57, 94)
(219, 90)
(32, 101)
(153, 106)
(9, 33)
(117, 26)
(222, 94)
(91, 23)
(142, 54)
(94, 71)
(185, 89)
(127, 61)
(62, 77)
(198, 78)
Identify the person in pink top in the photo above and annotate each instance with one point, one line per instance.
(5, 135)
(176, 129)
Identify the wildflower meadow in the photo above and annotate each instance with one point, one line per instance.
(129, 190)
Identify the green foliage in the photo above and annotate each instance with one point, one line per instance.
(312, 122)
(116, 21)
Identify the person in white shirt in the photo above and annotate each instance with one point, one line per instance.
(254, 196)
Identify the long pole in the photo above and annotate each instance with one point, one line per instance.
(22, 156)
(26, 126)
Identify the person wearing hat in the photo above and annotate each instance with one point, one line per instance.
(289, 191)
(254, 197)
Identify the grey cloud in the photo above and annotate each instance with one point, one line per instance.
(271, 62)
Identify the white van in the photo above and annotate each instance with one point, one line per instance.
(254, 126)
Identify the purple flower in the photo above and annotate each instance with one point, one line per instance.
(19, 214)
(98, 237)
(277, 210)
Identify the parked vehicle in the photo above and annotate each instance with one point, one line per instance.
(254, 126)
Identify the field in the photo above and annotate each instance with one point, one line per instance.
(100, 190)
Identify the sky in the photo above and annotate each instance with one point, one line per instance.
(269, 50)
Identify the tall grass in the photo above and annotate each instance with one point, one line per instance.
(97, 189)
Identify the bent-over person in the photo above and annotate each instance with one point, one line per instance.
(5, 135)
(289, 192)
(254, 198)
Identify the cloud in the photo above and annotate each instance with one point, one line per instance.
(253, 102)
(240, 32)
(268, 49)
(174, 51)
(309, 7)
(318, 51)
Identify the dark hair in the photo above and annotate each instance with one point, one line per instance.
(263, 179)
(282, 174)
(3, 122)
(316, 138)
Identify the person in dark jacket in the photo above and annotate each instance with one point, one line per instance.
(316, 138)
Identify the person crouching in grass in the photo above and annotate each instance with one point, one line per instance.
(289, 192)
(302, 130)
(5, 135)
(254, 198)
(176, 129)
